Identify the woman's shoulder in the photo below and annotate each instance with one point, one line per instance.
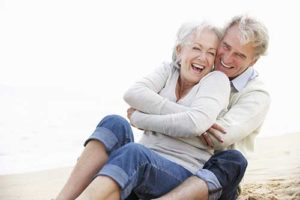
(168, 68)
(217, 75)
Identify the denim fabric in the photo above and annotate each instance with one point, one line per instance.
(229, 167)
(133, 166)
(113, 131)
(136, 168)
(139, 169)
(132, 196)
(213, 184)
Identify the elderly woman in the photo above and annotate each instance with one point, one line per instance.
(170, 151)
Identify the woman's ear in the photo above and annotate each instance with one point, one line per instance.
(178, 50)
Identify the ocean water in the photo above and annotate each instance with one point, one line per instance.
(45, 127)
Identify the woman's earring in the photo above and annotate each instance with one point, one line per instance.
(213, 68)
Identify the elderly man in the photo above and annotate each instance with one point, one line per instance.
(244, 41)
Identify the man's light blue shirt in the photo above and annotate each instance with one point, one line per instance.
(241, 81)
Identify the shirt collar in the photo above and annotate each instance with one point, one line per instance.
(242, 80)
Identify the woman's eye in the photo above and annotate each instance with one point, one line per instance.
(211, 53)
(196, 48)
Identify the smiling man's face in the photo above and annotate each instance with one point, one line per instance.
(234, 57)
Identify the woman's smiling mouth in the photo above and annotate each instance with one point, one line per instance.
(197, 68)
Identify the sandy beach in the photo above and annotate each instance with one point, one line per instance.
(273, 174)
(274, 169)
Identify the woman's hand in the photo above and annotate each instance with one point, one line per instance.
(129, 112)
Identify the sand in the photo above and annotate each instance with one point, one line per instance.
(274, 169)
(273, 173)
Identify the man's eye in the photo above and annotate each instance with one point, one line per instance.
(241, 56)
(196, 48)
(225, 46)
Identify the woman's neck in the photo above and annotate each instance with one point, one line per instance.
(182, 88)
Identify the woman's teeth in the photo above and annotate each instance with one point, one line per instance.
(197, 67)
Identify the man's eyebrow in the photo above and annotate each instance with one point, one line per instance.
(226, 44)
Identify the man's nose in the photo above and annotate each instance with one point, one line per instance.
(227, 58)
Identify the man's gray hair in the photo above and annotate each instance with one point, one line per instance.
(252, 31)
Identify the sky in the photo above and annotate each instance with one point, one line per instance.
(65, 64)
(99, 48)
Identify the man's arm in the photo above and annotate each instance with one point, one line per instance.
(245, 116)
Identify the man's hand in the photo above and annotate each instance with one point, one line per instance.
(213, 131)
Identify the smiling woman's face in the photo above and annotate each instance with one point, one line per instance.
(197, 57)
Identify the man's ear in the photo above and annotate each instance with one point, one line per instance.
(253, 62)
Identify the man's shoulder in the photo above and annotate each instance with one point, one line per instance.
(256, 84)
(255, 88)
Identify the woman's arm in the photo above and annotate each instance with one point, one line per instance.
(143, 95)
(212, 97)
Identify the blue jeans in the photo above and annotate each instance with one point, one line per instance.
(113, 131)
(229, 166)
(141, 172)
(133, 166)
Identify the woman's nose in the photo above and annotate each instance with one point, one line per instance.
(201, 56)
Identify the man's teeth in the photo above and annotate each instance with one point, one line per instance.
(226, 66)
